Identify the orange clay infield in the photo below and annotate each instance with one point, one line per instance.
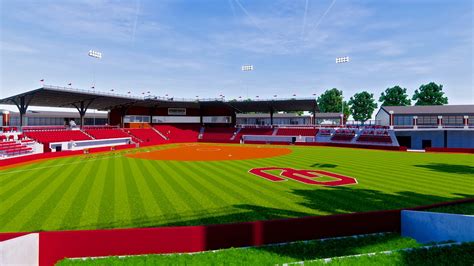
(192, 152)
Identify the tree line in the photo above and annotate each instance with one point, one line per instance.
(362, 105)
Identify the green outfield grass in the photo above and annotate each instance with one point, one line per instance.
(110, 190)
(265, 255)
(459, 255)
(465, 208)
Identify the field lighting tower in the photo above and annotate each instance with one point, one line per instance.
(342, 60)
(247, 68)
(95, 55)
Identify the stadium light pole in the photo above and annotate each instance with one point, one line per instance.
(247, 68)
(342, 60)
(94, 55)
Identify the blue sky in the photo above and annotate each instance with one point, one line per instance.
(186, 48)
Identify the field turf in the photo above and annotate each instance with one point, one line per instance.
(265, 255)
(465, 208)
(110, 190)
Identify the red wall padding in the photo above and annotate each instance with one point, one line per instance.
(56, 245)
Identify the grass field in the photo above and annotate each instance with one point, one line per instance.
(405, 251)
(110, 190)
(265, 255)
(465, 208)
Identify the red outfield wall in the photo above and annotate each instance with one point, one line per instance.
(57, 245)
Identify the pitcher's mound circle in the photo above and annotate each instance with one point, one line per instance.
(211, 153)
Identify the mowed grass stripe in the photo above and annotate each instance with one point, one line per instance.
(165, 181)
(152, 181)
(106, 215)
(391, 174)
(375, 179)
(183, 189)
(25, 195)
(225, 183)
(29, 216)
(393, 180)
(210, 186)
(12, 176)
(91, 209)
(122, 205)
(135, 200)
(77, 200)
(54, 195)
(205, 196)
(234, 176)
(279, 161)
(139, 174)
(260, 186)
(23, 181)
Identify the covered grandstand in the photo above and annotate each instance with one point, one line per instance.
(150, 120)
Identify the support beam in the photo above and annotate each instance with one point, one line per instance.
(22, 104)
(151, 110)
(391, 118)
(271, 117)
(314, 115)
(201, 120)
(82, 107)
(123, 113)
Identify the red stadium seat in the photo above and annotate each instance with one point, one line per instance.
(297, 132)
(180, 133)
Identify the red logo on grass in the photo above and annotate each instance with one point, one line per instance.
(308, 177)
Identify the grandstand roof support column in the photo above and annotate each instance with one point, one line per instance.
(314, 115)
(22, 104)
(82, 109)
(271, 116)
(201, 120)
(123, 113)
(391, 118)
(151, 110)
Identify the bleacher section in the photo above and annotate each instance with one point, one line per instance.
(145, 135)
(297, 131)
(107, 133)
(48, 136)
(179, 133)
(14, 148)
(377, 136)
(343, 135)
(325, 132)
(14, 143)
(218, 134)
(254, 131)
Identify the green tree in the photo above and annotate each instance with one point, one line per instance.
(430, 94)
(362, 106)
(395, 96)
(330, 102)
